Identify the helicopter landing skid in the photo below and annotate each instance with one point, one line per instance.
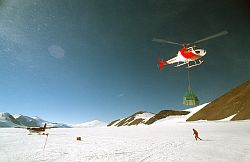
(196, 64)
(178, 65)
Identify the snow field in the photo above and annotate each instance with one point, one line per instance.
(222, 141)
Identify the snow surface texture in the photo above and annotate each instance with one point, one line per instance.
(222, 141)
(228, 118)
(91, 124)
(181, 118)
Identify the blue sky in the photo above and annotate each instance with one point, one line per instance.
(75, 61)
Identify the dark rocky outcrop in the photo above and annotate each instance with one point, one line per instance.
(165, 113)
(131, 120)
(113, 122)
(236, 101)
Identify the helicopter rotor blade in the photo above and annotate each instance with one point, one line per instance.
(212, 36)
(165, 41)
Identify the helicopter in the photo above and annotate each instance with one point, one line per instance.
(189, 52)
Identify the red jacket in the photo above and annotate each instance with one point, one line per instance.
(195, 132)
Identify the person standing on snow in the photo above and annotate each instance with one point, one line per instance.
(196, 135)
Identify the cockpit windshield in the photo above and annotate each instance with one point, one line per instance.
(197, 51)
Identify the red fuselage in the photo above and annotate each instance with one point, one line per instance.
(188, 54)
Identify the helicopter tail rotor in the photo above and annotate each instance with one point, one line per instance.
(161, 63)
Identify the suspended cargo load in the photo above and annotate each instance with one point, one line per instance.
(190, 99)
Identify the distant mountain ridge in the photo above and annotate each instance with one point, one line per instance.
(91, 124)
(18, 120)
(140, 117)
(8, 120)
(28, 121)
(233, 105)
(165, 113)
(143, 117)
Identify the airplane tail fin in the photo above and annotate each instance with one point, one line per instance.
(161, 63)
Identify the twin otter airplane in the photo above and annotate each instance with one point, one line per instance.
(38, 130)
